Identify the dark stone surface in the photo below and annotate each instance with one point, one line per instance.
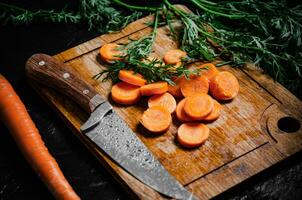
(89, 179)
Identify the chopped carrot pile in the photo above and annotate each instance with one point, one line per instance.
(195, 107)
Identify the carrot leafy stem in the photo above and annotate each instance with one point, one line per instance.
(267, 33)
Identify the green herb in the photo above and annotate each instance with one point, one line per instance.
(267, 33)
(193, 41)
(135, 59)
(18, 15)
(100, 15)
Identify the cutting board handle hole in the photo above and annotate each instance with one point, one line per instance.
(288, 124)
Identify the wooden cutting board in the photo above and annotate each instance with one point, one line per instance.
(245, 140)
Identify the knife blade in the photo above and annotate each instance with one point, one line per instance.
(105, 128)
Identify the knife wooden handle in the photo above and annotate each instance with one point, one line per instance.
(55, 74)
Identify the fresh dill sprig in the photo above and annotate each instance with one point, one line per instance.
(98, 14)
(19, 15)
(136, 59)
(152, 70)
(101, 16)
(193, 41)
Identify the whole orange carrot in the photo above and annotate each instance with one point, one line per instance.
(29, 141)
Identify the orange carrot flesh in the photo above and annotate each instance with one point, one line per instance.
(175, 89)
(209, 70)
(154, 88)
(131, 77)
(194, 86)
(156, 119)
(109, 52)
(174, 56)
(192, 135)
(180, 112)
(199, 106)
(125, 94)
(215, 112)
(165, 100)
(224, 86)
(29, 141)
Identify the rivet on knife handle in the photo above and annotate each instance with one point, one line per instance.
(59, 76)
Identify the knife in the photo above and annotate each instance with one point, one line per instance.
(104, 127)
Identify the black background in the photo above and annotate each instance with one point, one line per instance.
(89, 179)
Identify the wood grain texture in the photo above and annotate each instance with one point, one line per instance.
(244, 141)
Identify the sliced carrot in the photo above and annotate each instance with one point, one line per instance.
(125, 94)
(131, 77)
(174, 56)
(215, 112)
(165, 100)
(156, 119)
(175, 89)
(191, 135)
(199, 106)
(109, 52)
(26, 135)
(194, 86)
(224, 86)
(154, 88)
(209, 70)
(180, 112)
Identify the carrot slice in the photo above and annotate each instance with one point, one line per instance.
(154, 88)
(30, 143)
(175, 89)
(131, 77)
(124, 93)
(194, 86)
(215, 112)
(174, 56)
(180, 112)
(210, 70)
(224, 86)
(191, 135)
(165, 100)
(109, 52)
(156, 119)
(198, 107)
